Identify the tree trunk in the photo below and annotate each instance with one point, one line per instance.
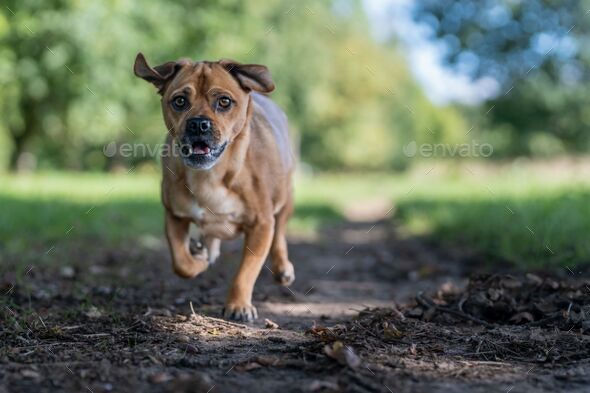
(21, 136)
(19, 142)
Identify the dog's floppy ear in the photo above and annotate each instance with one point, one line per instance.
(250, 76)
(158, 75)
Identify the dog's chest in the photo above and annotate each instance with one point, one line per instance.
(216, 210)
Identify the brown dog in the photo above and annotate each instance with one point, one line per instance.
(232, 173)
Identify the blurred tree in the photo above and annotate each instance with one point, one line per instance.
(538, 51)
(37, 87)
(68, 90)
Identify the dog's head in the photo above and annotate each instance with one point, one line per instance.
(205, 104)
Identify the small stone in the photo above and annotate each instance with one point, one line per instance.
(93, 312)
(67, 272)
(104, 291)
(183, 338)
(534, 279)
(30, 374)
(95, 269)
(190, 348)
(511, 283)
(42, 294)
(160, 377)
(552, 284)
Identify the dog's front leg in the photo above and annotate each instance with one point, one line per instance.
(256, 247)
(184, 263)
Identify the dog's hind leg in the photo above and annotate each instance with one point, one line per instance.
(184, 263)
(282, 269)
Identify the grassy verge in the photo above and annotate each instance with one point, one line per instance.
(525, 218)
(42, 209)
(514, 213)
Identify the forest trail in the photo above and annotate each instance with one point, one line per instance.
(120, 320)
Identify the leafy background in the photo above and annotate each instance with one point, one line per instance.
(67, 86)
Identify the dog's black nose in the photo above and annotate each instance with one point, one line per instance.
(198, 124)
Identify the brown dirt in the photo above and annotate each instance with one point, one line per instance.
(119, 320)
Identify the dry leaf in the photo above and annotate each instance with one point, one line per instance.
(160, 378)
(318, 385)
(267, 360)
(270, 324)
(248, 366)
(522, 317)
(390, 332)
(343, 354)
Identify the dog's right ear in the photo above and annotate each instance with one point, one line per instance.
(159, 75)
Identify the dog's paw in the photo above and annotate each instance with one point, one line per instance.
(198, 249)
(194, 246)
(285, 274)
(239, 312)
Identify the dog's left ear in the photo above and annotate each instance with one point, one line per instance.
(159, 75)
(250, 76)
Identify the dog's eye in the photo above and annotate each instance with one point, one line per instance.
(179, 103)
(224, 102)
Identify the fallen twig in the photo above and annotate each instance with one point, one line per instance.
(430, 304)
(398, 313)
(92, 335)
(545, 321)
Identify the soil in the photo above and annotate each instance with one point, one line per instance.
(370, 311)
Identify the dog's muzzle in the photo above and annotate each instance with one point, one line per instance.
(197, 146)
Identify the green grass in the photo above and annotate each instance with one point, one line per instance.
(39, 210)
(516, 214)
(528, 223)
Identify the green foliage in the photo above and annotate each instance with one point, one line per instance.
(538, 52)
(68, 89)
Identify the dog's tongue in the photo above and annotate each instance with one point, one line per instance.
(200, 149)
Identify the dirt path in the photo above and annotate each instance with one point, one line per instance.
(121, 321)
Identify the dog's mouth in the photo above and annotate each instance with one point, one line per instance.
(199, 148)
(201, 154)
